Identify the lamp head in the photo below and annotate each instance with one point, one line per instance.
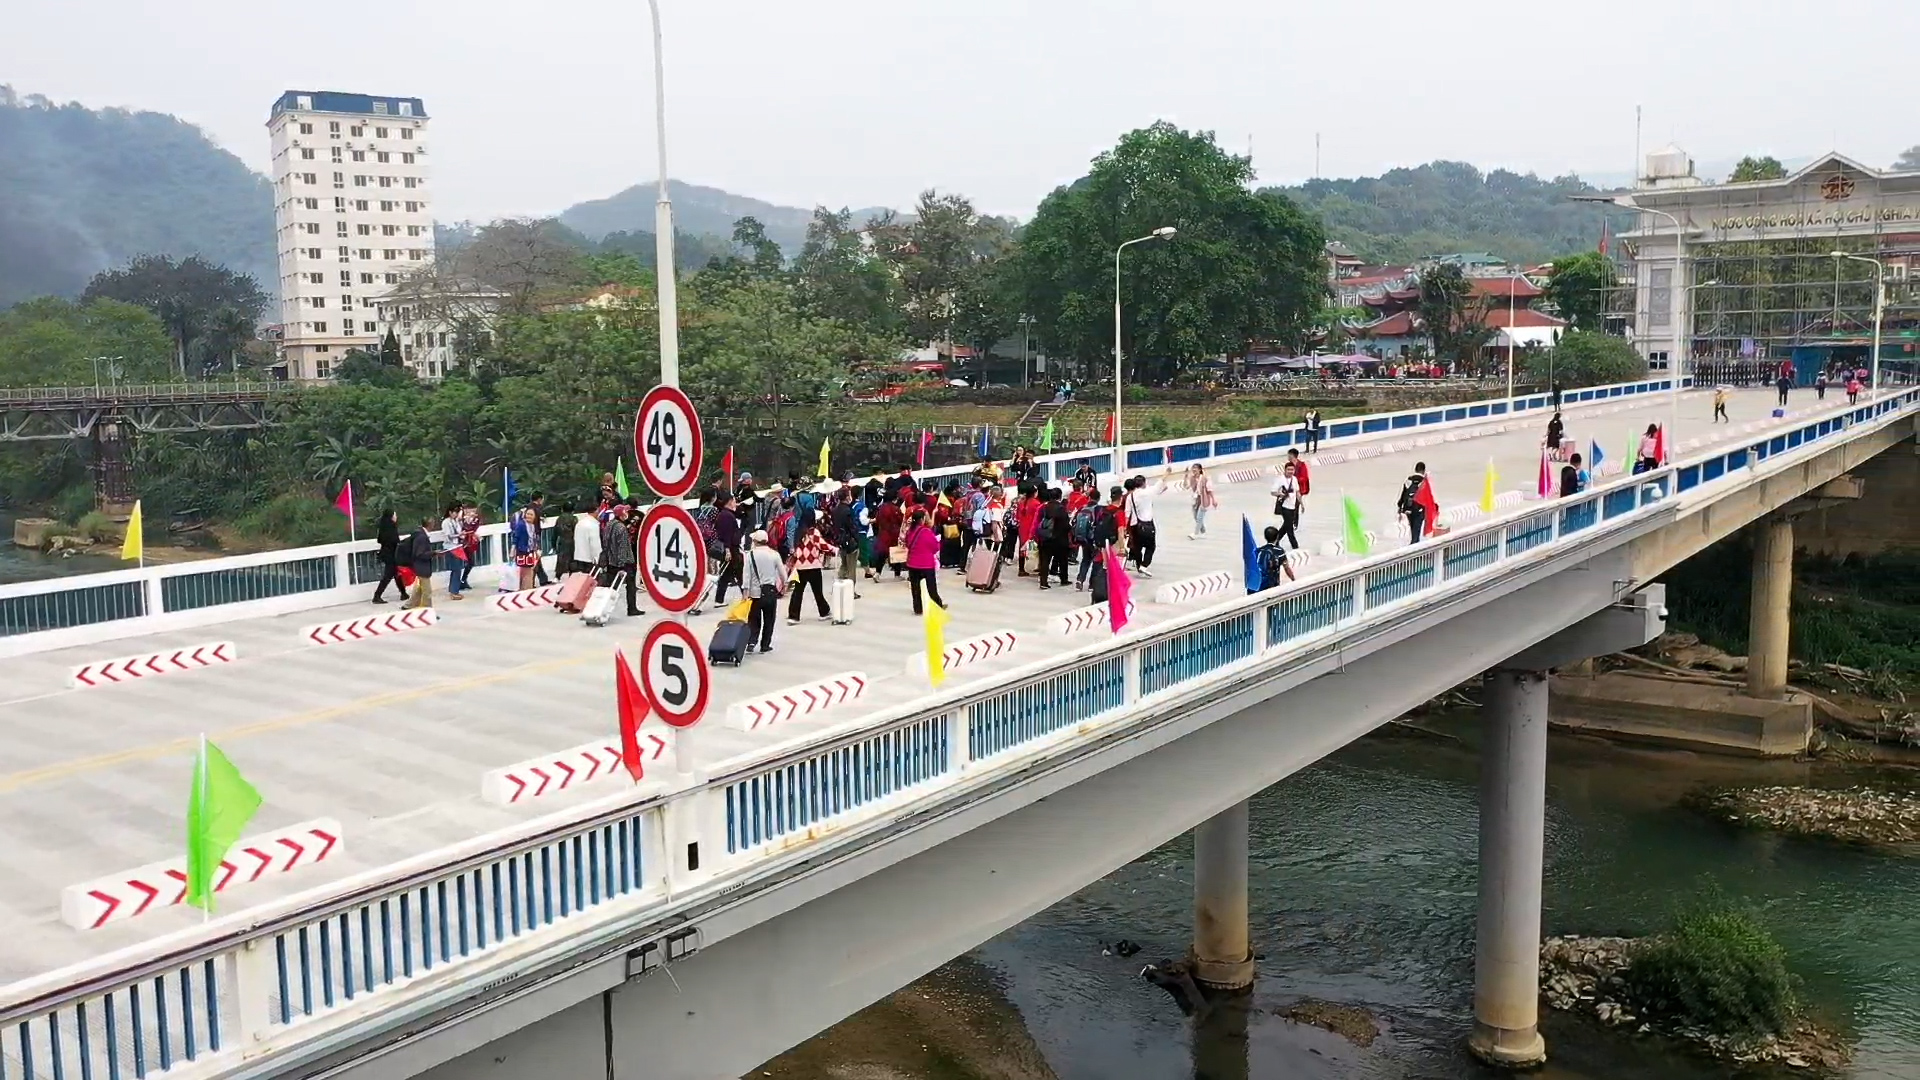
(1165, 232)
(1838, 254)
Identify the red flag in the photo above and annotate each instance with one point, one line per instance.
(1425, 500)
(926, 440)
(633, 709)
(1660, 445)
(1544, 489)
(344, 504)
(726, 469)
(1605, 236)
(1110, 429)
(1119, 590)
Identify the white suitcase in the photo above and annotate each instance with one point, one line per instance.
(599, 608)
(842, 602)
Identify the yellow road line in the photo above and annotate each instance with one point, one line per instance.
(65, 769)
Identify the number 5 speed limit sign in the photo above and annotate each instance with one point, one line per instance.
(666, 440)
(673, 672)
(673, 559)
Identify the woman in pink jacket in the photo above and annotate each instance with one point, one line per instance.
(923, 559)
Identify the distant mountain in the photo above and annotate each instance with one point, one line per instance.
(82, 190)
(697, 211)
(1450, 206)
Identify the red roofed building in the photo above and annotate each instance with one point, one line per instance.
(1506, 307)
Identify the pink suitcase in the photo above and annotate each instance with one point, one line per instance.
(574, 590)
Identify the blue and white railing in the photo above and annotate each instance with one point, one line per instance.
(423, 933)
(56, 612)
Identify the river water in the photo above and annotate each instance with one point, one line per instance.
(1363, 872)
(20, 564)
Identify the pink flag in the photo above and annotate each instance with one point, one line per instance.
(926, 440)
(344, 504)
(1119, 590)
(1546, 476)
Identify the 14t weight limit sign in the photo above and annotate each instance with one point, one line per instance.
(673, 560)
(666, 440)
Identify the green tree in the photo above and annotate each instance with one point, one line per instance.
(932, 256)
(838, 278)
(1244, 265)
(1581, 287)
(1752, 168)
(1585, 358)
(373, 369)
(52, 342)
(189, 296)
(1455, 319)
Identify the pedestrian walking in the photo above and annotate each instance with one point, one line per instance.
(469, 542)
(1853, 391)
(538, 504)
(450, 545)
(1649, 452)
(387, 535)
(1720, 404)
(1820, 385)
(1573, 478)
(586, 544)
(1142, 531)
(728, 534)
(419, 555)
(1556, 430)
(764, 578)
(1310, 429)
(1287, 496)
(1055, 535)
(887, 531)
(1410, 506)
(563, 539)
(811, 553)
(1200, 486)
(1271, 561)
(849, 532)
(1785, 384)
(923, 559)
(616, 552)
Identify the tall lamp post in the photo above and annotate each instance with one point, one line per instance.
(1164, 232)
(1879, 310)
(663, 273)
(1678, 351)
(1513, 286)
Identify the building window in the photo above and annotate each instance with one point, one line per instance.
(412, 181)
(413, 230)
(366, 279)
(379, 132)
(309, 178)
(346, 278)
(409, 353)
(313, 253)
(413, 207)
(342, 227)
(306, 129)
(360, 204)
(366, 253)
(310, 226)
(347, 328)
(382, 157)
(393, 279)
(389, 254)
(336, 155)
(306, 153)
(380, 107)
(366, 230)
(333, 128)
(356, 131)
(359, 155)
(367, 325)
(386, 206)
(386, 181)
(406, 159)
(406, 133)
(346, 302)
(406, 109)
(416, 254)
(319, 327)
(339, 204)
(321, 368)
(317, 278)
(359, 181)
(443, 339)
(313, 204)
(389, 230)
(317, 301)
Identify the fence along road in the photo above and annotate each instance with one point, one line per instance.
(391, 736)
(416, 934)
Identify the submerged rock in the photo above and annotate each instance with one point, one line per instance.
(1855, 815)
(1350, 1022)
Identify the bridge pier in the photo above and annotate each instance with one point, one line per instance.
(1770, 605)
(1222, 959)
(1513, 807)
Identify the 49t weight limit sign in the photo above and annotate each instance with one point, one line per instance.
(667, 443)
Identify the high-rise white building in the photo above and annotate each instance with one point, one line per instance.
(351, 217)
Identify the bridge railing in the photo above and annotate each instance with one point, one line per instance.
(597, 877)
(139, 392)
(57, 612)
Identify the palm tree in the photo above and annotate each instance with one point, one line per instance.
(228, 332)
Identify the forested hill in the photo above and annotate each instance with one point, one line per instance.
(82, 190)
(697, 210)
(1448, 206)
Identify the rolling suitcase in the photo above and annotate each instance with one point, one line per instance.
(598, 610)
(575, 591)
(983, 568)
(728, 644)
(842, 602)
(1097, 581)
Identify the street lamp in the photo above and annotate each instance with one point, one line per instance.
(1513, 286)
(1026, 343)
(1879, 309)
(1679, 272)
(663, 273)
(1164, 232)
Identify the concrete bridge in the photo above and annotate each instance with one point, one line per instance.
(478, 897)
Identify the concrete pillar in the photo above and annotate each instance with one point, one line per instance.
(1222, 959)
(1513, 806)
(1771, 603)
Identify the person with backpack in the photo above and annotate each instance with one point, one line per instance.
(1055, 534)
(844, 517)
(1271, 559)
(1410, 505)
(1573, 478)
(1103, 530)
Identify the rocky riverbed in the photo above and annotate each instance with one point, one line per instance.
(1582, 975)
(1859, 815)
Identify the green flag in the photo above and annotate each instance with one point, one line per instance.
(218, 809)
(1046, 435)
(620, 475)
(1356, 531)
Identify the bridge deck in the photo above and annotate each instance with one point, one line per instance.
(391, 736)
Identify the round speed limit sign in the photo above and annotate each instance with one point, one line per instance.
(673, 672)
(666, 440)
(673, 558)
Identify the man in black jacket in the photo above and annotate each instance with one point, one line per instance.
(419, 555)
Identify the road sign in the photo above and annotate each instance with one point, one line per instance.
(666, 439)
(673, 673)
(673, 559)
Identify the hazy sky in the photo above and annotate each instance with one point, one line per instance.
(538, 105)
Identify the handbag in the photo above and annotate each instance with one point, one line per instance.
(405, 575)
(897, 555)
(952, 532)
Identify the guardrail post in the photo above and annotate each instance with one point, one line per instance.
(1130, 672)
(248, 975)
(343, 568)
(960, 736)
(152, 594)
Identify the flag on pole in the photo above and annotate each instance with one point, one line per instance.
(620, 475)
(726, 469)
(1425, 500)
(135, 545)
(926, 440)
(1594, 456)
(1249, 556)
(344, 504)
(826, 449)
(1112, 431)
(1046, 435)
(1486, 493)
(936, 627)
(1355, 529)
(1660, 445)
(634, 707)
(986, 450)
(1119, 590)
(219, 806)
(507, 491)
(1605, 236)
(1544, 488)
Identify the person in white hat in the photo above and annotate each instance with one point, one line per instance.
(764, 578)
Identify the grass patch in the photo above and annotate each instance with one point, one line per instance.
(1716, 968)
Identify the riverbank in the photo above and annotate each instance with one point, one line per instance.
(1861, 815)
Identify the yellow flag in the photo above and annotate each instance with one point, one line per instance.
(826, 447)
(1486, 496)
(936, 621)
(134, 547)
